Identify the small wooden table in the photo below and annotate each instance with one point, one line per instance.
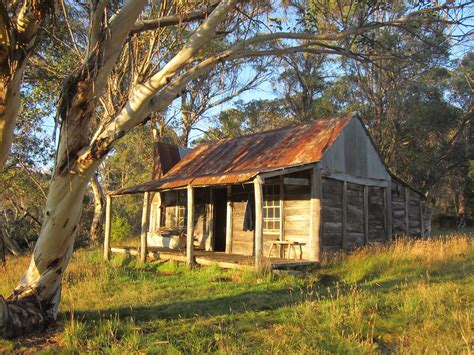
(291, 246)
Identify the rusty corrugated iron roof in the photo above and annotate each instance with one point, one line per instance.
(240, 159)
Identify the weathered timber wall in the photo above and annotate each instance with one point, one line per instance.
(242, 242)
(202, 212)
(355, 216)
(296, 212)
(376, 214)
(296, 209)
(414, 216)
(353, 153)
(332, 214)
(398, 209)
(414, 204)
(169, 209)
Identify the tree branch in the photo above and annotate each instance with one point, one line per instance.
(172, 20)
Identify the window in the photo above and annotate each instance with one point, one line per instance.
(271, 208)
(181, 211)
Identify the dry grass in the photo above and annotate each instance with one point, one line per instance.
(411, 296)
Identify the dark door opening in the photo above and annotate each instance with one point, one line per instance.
(220, 208)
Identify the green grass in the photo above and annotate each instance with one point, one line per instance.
(412, 296)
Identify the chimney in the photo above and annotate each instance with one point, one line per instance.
(165, 156)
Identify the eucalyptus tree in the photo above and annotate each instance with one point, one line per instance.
(34, 302)
(20, 23)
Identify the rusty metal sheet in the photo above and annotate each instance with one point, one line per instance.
(240, 159)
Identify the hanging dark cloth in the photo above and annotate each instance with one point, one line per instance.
(249, 216)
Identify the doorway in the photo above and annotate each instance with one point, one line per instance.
(220, 216)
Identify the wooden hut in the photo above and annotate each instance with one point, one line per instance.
(293, 192)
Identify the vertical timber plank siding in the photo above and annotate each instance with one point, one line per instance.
(414, 214)
(201, 218)
(376, 214)
(190, 228)
(242, 241)
(366, 214)
(169, 203)
(344, 215)
(228, 227)
(353, 153)
(144, 226)
(407, 211)
(398, 209)
(332, 214)
(315, 216)
(257, 183)
(108, 230)
(297, 219)
(354, 216)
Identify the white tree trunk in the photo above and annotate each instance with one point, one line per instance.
(17, 40)
(34, 303)
(9, 106)
(99, 202)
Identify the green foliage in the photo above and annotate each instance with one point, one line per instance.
(121, 229)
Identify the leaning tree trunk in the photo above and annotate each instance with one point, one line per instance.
(34, 303)
(99, 203)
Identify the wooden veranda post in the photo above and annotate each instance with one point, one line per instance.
(258, 190)
(144, 227)
(190, 228)
(315, 217)
(108, 230)
(228, 228)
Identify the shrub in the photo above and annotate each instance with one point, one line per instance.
(121, 229)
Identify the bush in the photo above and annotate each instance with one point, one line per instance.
(121, 229)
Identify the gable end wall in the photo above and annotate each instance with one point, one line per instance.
(354, 154)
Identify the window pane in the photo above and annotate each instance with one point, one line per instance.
(277, 213)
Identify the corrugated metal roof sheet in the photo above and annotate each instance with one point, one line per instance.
(240, 159)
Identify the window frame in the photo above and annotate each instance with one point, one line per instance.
(181, 210)
(272, 204)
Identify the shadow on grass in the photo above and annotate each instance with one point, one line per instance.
(247, 301)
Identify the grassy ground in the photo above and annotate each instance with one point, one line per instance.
(413, 296)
